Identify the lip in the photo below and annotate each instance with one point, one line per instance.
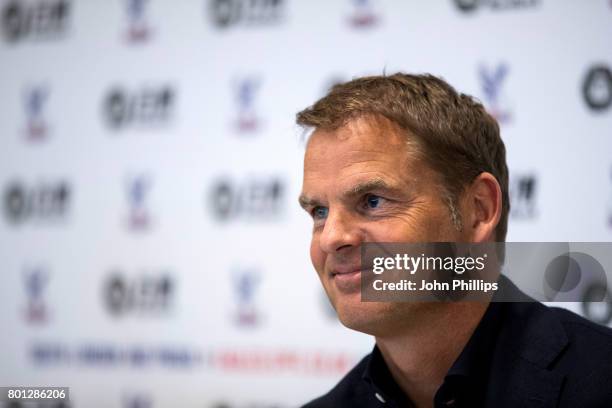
(340, 270)
(347, 279)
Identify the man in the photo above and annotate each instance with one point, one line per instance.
(405, 158)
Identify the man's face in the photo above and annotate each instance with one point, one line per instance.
(364, 183)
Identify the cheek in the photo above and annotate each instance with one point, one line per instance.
(317, 256)
(422, 226)
(394, 230)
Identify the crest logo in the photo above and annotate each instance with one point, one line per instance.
(35, 283)
(35, 98)
(491, 82)
(138, 30)
(137, 190)
(245, 92)
(246, 282)
(363, 14)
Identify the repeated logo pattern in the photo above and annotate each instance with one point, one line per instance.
(149, 147)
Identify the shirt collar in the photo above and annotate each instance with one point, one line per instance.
(475, 358)
(377, 374)
(471, 369)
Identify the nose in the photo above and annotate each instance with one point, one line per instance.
(340, 233)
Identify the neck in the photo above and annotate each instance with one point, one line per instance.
(420, 356)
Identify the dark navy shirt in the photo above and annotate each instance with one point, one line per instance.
(370, 383)
(521, 354)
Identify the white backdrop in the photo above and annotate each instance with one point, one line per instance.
(152, 251)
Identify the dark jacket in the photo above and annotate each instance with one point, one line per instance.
(531, 356)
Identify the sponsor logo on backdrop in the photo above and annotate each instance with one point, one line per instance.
(44, 202)
(523, 196)
(245, 91)
(150, 295)
(138, 30)
(105, 355)
(597, 88)
(245, 282)
(149, 106)
(35, 282)
(34, 101)
(492, 85)
(253, 13)
(363, 15)
(37, 20)
(256, 199)
(137, 189)
(286, 360)
(471, 6)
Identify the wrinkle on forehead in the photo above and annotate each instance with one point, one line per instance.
(359, 150)
(377, 125)
(376, 134)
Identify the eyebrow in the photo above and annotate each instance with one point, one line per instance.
(367, 186)
(355, 191)
(307, 202)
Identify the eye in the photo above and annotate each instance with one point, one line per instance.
(372, 201)
(320, 212)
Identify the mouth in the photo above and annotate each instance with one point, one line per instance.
(348, 280)
(347, 277)
(345, 274)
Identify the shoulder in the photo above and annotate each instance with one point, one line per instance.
(534, 324)
(589, 342)
(586, 361)
(559, 343)
(351, 391)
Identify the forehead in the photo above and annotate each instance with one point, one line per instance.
(362, 153)
(360, 142)
(366, 129)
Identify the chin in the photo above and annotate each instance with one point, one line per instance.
(372, 318)
(382, 319)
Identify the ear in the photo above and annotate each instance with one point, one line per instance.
(483, 205)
